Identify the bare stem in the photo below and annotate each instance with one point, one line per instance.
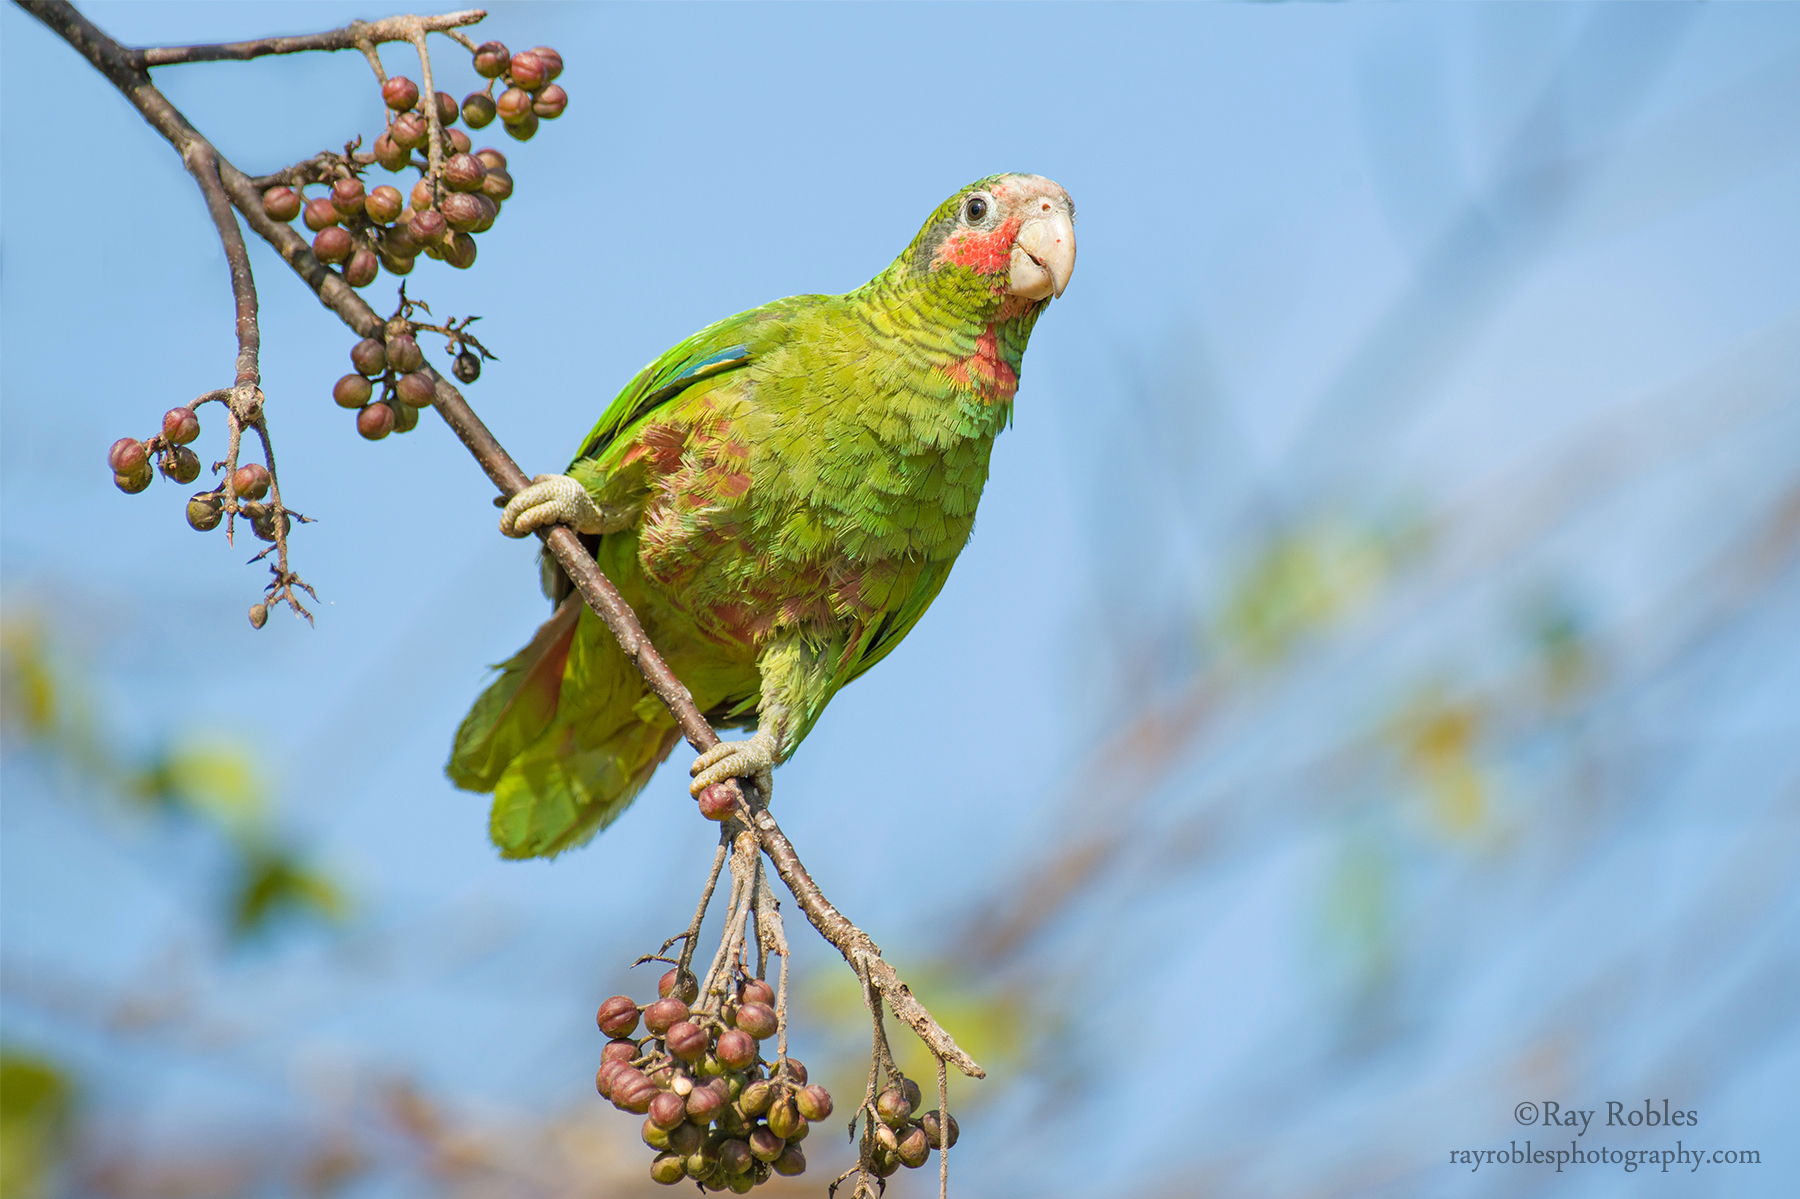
(355, 36)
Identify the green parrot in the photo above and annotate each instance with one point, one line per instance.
(779, 498)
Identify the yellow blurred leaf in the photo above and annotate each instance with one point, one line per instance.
(275, 884)
(1439, 739)
(35, 1101)
(27, 685)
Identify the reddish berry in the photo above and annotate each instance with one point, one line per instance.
(765, 1146)
(459, 142)
(281, 204)
(133, 481)
(914, 1148)
(320, 214)
(785, 1119)
(362, 268)
(497, 184)
(400, 93)
(528, 71)
(668, 1109)
(462, 212)
(664, 1014)
(397, 241)
(892, 1107)
(417, 389)
(737, 1049)
(491, 158)
(404, 354)
(791, 1162)
(384, 204)
(491, 59)
(814, 1102)
(375, 422)
(478, 110)
(757, 1019)
(632, 1091)
(929, 1122)
(620, 1050)
(459, 251)
(553, 62)
(395, 266)
(688, 991)
(718, 802)
(703, 1104)
(391, 154)
(126, 455)
(427, 227)
(618, 1016)
(490, 212)
(352, 391)
(347, 197)
(369, 356)
(755, 1098)
(250, 481)
(409, 130)
(756, 990)
(604, 1076)
(514, 105)
(204, 513)
(180, 426)
(686, 1041)
(447, 109)
(333, 244)
(464, 173)
(550, 102)
(181, 464)
(523, 130)
(796, 1070)
(423, 195)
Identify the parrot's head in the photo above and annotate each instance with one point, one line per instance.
(1007, 240)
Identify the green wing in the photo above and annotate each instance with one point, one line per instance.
(717, 350)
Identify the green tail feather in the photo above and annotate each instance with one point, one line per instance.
(561, 738)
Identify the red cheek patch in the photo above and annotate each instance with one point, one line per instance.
(987, 253)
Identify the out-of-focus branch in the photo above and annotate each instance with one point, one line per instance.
(127, 72)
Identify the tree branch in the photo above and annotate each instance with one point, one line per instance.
(358, 35)
(126, 69)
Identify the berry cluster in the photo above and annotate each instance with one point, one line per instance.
(714, 1111)
(459, 191)
(395, 362)
(901, 1137)
(131, 461)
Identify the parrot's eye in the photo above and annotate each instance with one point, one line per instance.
(975, 209)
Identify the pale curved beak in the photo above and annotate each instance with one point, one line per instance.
(1043, 254)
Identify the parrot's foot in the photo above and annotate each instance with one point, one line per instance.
(752, 759)
(552, 500)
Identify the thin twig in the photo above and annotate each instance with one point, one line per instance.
(354, 36)
(943, 1071)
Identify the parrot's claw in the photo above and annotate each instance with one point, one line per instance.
(552, 500)
(752, 759)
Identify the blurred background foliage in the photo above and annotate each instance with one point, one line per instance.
(1371, 699)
